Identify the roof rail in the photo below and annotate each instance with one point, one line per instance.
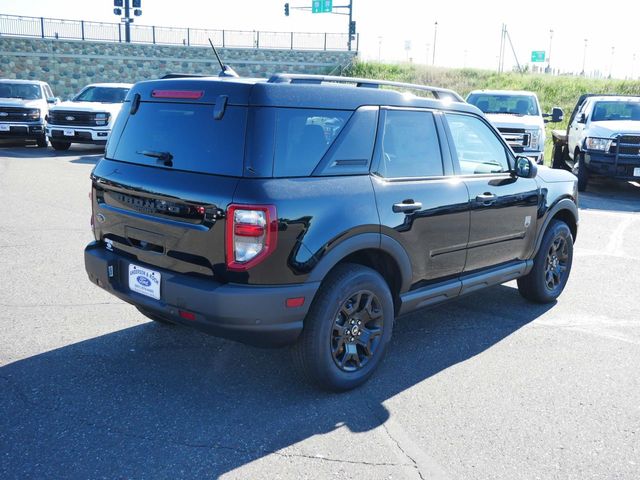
(438, 93)
(182, 75)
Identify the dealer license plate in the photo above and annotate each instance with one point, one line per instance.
(144, 281)
(636, 172)
(68, 133)
(5, 128)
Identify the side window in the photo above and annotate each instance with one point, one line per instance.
(410, 145)
(479, 149)
(47, 92)
(302, 138)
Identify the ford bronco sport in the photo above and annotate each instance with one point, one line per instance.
(313, 211)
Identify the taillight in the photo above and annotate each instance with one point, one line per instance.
(252, 233)
(93, 229)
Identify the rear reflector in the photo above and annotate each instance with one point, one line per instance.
(295, 302)
(186, 94)
(243, 230)
(187, 315)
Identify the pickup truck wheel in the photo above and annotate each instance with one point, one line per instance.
(347, 329)
(558, 161)
(582, 172)
(61, 146)
(551, 265)
(154, 317)
(42, 141)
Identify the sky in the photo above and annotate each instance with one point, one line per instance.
(468, 32)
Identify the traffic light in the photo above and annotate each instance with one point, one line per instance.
(286, 9)
(137, 3)
(352, 27)
(118, 3)
(137, 12)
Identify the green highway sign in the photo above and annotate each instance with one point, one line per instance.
(538, 56)
(321, 6)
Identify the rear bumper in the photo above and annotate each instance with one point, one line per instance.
(248, 314)
(605, 165)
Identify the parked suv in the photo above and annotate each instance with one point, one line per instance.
(88, 117)
(23, 107)
(518, 117)
(313, 210)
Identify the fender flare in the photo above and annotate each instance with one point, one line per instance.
(563, 204)
(365, 241)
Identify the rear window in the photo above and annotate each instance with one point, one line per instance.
(302, 138)
(188, 133)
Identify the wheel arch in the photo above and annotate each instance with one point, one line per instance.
(564, 210)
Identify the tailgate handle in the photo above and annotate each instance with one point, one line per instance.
(144, 245)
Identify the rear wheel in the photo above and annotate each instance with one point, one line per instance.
(347, 329)
(551, 265)
(61, 146)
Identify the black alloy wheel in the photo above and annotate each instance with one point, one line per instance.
(357, 331)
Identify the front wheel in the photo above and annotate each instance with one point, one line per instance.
(551, 265)
(347, 329)
(582, 172)
(42, 142)
(60, 146)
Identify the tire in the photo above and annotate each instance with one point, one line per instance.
(60, 146)
(558, 160)
(154, 317)
(42, 142)
(334, 350)
(551, 265)
(582, 172)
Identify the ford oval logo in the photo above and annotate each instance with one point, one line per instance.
(70, 118)
(144, 281)
(4, 114)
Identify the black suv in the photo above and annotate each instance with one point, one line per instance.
(314, 210)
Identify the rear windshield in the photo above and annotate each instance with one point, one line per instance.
(187, 134)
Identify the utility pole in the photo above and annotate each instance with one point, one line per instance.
(549, 54)
(584, 56)
(613, 49)
(501, 53)
(379, 47)
(352, 25)
(435, 38)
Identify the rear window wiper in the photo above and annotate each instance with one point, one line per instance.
(164, 157)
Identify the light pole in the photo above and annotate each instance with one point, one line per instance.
(379, 47)
(613, 49)
(633, 66)
(428, 48)
(584, 56)
(435, 38)
(549, 54)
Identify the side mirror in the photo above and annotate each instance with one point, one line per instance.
(557, 115)
(53, 100)
(582, 118)
(526, 168)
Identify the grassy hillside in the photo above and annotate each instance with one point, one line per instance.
(552, 91)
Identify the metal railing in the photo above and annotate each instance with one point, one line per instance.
(40, 27)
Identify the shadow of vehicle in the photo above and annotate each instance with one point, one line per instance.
(608, 194)
(162, 401)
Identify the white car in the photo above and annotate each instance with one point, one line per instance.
(24, 105)
(88, 117)
(518, 118)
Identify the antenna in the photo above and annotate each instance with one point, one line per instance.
(225, 70)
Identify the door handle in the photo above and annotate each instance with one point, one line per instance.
(486, 198)
(406, 206)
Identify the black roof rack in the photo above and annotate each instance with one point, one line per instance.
(182, 75)
(438, 93)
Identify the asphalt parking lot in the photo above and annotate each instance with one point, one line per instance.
(485, 387)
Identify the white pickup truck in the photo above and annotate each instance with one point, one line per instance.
(23, 107)
(88, 117)
(602, 138)
(518, 118)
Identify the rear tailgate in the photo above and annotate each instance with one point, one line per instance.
(170, 170)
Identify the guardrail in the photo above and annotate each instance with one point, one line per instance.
(41, 27)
